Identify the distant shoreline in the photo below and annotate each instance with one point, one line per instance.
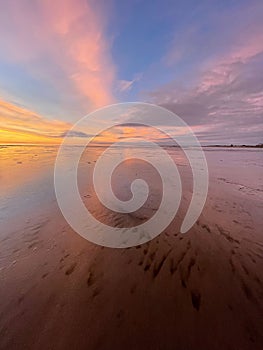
(99, 145)
(260, 145)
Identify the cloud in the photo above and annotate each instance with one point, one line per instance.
(72, 133)
(126, 85)
(224, 101)
(18, 124)
(63, 43)
(133, 125)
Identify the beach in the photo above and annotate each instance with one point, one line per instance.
(199, 290)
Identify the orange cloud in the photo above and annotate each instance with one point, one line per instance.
(18, 125)
(138, 133)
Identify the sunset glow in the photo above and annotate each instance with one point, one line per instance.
(63, 59)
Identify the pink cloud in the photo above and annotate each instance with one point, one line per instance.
(224, 69)
(63, 42)
(225, 101)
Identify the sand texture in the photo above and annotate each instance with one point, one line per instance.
(199, 290)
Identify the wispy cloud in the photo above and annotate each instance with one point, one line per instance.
(18, 124)
(62, 42)
(126, 85)
(224, 100)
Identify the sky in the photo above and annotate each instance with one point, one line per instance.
(61, 60)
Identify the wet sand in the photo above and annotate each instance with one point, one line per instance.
(199, 290)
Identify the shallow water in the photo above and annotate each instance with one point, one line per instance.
(27, 175)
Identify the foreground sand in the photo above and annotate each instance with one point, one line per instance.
(200, 290)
